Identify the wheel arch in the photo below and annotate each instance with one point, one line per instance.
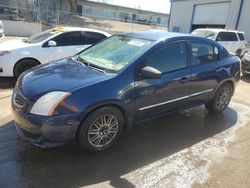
(229, 81)
(92, 109)
(25, 58)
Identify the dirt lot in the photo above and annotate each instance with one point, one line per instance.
(187, 149)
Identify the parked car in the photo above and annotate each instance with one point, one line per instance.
(1, 30)
(16, 56)
(233, 41)
(245, 65)
(129, 78)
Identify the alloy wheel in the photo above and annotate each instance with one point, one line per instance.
(223, 98)
(103, 130)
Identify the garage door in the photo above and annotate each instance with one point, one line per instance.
(211, 14)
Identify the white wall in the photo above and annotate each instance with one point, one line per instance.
(181, 16)
(182, 13)
(20, 28)
(244, 23)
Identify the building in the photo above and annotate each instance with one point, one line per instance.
(108, 11)
(62, 5)
(187, 15)
(48, 10)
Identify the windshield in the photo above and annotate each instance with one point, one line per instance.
(115, 53)
(205, 33)
(39, 37)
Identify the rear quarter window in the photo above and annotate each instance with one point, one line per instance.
(241, 36)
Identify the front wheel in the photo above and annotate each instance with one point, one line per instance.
(221, 99)
(24, 65)
(101, 129)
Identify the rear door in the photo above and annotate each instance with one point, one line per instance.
(67, 44)
(205, 69)
(170, 92)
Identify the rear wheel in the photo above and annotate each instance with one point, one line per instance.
(221, 99)
(101, 129)
(24, 65)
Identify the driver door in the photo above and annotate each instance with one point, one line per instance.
(169, 92)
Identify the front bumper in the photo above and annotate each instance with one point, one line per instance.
(6, 66)
(44, 131)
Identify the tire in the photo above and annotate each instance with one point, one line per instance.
(221, 99)
(101, 129)
(24, 65)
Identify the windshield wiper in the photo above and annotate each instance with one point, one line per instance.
(78, 58)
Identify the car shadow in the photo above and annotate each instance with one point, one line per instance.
(24, 165)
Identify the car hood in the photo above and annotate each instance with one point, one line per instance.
(62, 75)
(13, 44)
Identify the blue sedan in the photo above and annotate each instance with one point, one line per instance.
(126, 79)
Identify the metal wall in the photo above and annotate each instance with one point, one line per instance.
(244, 21)
(182, 15)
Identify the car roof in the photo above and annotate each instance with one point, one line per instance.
(155, 35)
(218, 30)
(159, 36)
(65, 29)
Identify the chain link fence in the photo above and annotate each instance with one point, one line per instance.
(49, 18)
(18, 14)
(104, 23)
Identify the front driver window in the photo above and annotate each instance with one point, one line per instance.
(170, 57)
(69, 39)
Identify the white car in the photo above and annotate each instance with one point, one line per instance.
(233, 41)
(16, 56)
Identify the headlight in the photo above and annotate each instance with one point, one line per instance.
(47, 104)
(2, 53)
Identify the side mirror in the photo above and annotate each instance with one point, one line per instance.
(51, 43)
(150, 73)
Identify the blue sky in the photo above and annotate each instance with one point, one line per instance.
(152, 5)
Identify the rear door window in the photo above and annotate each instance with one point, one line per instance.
(227, 36)
(204, 53)
(93, 37)
(69, 39)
